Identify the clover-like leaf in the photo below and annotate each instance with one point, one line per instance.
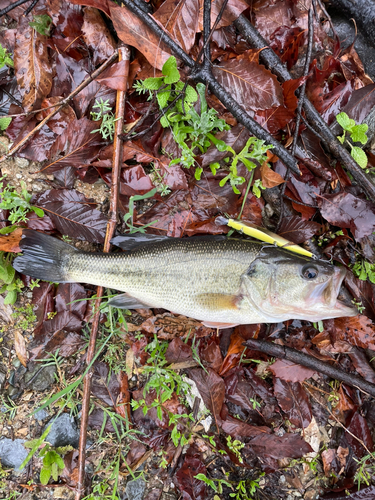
(153, 83)
(358, 133)
(359, 156)
(346, 122)
(172, 75)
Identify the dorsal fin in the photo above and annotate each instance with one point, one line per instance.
(137, 240)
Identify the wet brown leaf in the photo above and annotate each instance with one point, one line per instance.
(20, 347)
(358, 331)
(251, 84)
(237, 428)
(115, 77)
(232, 10)
(270, 178)
(178, 351)
(295, 229)
(288, 445)
(72, 214)
(97, 36)
(132, 31)
(294, 401)
(32, 65)
(192, 488)
(212, 390)
(180, 18)
(290, 372)
(10, 242)
(168, 326)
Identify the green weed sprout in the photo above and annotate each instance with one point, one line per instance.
(5, 58)
(8, 281)
(42, 24)
(356, 133)
(17, 204)
(104, 113)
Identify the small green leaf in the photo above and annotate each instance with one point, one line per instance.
(39, 212)
(153, 83)
(346, 122)
(358, 133)
(341, 138)
(164, 121)
(172, 75)
(190, 94)
(5, 122)
(42, 24)
(11, 298)
(359, 156)
(198, 173)
(162, 98)
(45, 475)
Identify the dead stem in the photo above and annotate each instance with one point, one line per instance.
(124, 54)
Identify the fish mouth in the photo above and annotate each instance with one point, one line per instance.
(330, 292)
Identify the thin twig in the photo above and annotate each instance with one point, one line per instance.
(12, 6)
(124, 54)
(65, 101)
(315, 364)
(30, 7)
(217, 20)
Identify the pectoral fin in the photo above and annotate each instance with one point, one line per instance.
(123, 301)
(218, 301)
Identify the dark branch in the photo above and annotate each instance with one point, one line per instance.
(12, 6)
(315, 364)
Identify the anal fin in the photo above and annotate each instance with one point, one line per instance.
(219, 326)
(124, 301)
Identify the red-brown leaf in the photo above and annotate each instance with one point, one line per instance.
(32, 65)
(20, 347)
(294, 401)
(10, 242)
(132, 31)
(288, 445)
(290, 372)
(212, 390)
(251, 84)
(97, 36)
(270, 178)
(180, 18)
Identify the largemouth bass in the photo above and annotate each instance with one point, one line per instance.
(215, 280)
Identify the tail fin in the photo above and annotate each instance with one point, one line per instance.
(43, 257)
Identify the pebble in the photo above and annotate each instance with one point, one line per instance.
(43, 379)
(12, 453)
(41, 415)
(135, 489)
(63, 492)
(21, 162)
(63, 432)
(19, 176)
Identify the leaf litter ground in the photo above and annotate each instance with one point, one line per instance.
(278, 430)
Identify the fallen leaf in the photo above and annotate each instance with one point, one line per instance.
(294, 401)
(180, 18)
(358, 331)
(294, 228)
(347, 211)
(290, 372)
(72, 214)
(20, 347)
(97, 36)
(191, 487)
(278, 447)
(270, 178)
(252, 85)
(10, 242)
(32, 65)
(132, 31)
(212, 390)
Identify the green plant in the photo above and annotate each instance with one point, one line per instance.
(158, 181)
(235, 447)
(172, 93)
(255, 403)
(8, 408)
(358, 304)
(5, 122)
(128, 218)
(5, 58)
(215, 484)
(53, 463)
(365, 471)
(42, 24)
(8, 281)
(104, 113)
(356, 133)
(246, 488)
(364, 270)
(17, 204)
(25, 316)
(254, 150)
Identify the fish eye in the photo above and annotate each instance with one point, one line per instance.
(309, 272)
